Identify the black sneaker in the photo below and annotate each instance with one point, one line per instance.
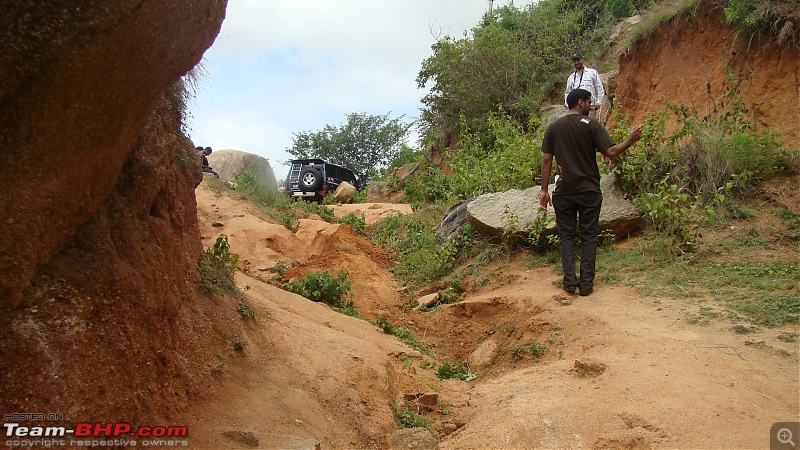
(585, 292)
(570, 290)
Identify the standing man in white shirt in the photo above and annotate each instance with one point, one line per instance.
(586, 78)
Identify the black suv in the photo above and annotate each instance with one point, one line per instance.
(312, 179)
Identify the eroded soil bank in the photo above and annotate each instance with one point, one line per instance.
(650, 378)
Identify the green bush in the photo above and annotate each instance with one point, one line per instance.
(457, 371)
(405, 416)
(412, 243)
(245, 310)
(430, 185)
(360, 196)
(492, 155)
(449, 295)
(356, 222)
(405, 335)
(768, 16)
(682, 180)
(673, 211)
(217, 267)
(324, 287)
(255, 187)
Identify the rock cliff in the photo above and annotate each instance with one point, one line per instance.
(100, 242)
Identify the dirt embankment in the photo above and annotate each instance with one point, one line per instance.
(687, 61)
(614, 370)
(102, 319)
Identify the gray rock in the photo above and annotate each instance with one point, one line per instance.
(428, 300)
(551, 113)
(497, 213)
(229, 163)
(414, 439)
(618, 214)
(454, 220)
(378, 192)
(345, 192)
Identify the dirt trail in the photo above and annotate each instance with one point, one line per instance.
(309, 374)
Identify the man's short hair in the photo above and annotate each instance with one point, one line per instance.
(577, 94)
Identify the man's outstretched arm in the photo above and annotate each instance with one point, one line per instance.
(547, 164)
(617, 149)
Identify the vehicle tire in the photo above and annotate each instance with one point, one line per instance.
(310, 179)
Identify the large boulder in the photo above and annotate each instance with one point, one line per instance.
(551, 113)
(378, 192)
(229, 163)
(498, 213)
(345, 192)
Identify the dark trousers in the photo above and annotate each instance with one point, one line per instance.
(584, 209)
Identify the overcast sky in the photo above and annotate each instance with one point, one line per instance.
(282, 67)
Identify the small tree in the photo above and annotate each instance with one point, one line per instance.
(363, 144)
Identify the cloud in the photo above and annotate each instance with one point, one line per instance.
(279, 68)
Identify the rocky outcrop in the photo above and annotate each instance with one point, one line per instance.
(229, 163)
(102, 318)
(516, 211)
(79, 81)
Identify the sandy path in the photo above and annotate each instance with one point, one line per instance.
(310, 373)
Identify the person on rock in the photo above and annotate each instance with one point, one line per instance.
(206, 168)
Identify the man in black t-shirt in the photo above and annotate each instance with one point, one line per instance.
(573, 141)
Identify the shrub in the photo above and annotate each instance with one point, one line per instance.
(497, 159)
(406, 417)
(770, 16)
(356, 222)
(683, 179)
(449, 295)
(360, 196)
(403, 334)
(255, 188)
(458, 371)
(412, 243)
(324, 287)
(217, 267)
(494, 155)
(676, 213)
(245, 310)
